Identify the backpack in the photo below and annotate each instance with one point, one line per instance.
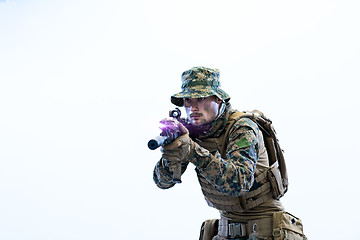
(275, 153)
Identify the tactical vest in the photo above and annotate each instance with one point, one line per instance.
(270, 174)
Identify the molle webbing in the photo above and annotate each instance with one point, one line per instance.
(272, 180)
(239, 204)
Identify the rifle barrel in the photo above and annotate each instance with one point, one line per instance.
(156, 142)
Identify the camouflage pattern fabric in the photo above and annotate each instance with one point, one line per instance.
(232, 176)
(200, 82)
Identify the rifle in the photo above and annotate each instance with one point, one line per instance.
(168, 134)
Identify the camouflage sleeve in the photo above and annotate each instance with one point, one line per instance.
(235, 175)
(163, 177)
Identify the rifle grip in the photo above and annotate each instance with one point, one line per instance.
(177, 173)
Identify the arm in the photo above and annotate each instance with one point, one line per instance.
(234, 175)
(162, 175)
(173, 162)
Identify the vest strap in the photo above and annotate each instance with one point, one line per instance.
(230, 229)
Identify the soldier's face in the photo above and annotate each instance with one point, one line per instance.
(201, 111)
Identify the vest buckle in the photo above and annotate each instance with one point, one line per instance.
(237, 230)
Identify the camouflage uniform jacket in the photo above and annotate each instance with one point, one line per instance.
(232, 174)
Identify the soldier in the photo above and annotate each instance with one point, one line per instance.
(231, 163)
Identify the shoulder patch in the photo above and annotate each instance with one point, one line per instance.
(242, 143)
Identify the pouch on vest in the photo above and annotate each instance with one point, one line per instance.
(286, 226)
(209, 229)
(275, 180)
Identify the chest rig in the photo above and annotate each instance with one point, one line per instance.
(271, 179)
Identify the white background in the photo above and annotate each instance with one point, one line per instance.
(83, 85)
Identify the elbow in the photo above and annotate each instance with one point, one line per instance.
(164, 186)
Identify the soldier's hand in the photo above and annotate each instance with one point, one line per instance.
(179, 150)
(173, 128)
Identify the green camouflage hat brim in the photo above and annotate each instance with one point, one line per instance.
(198, 92)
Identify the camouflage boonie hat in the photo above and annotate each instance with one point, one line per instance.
(199, 82)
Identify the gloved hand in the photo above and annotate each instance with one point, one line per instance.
(180, 149)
